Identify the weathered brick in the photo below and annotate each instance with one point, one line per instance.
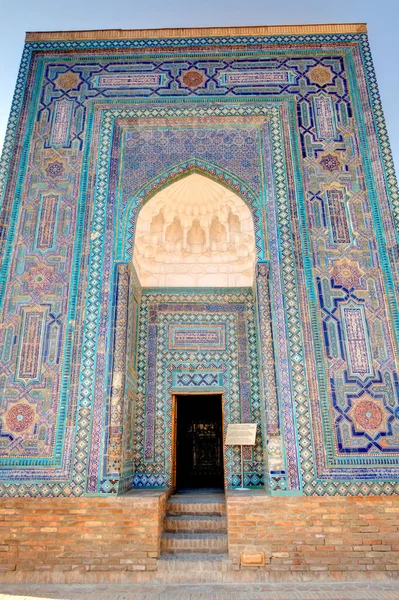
(81, 534)
(315, 534)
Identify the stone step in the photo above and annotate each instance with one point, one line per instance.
(195, 506)
(193, 563)
(177, 543)
(195, 524)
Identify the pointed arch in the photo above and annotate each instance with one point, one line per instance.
(195, 233)
(127, 222)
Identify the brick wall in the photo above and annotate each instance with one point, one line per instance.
(118, 538)
(80, 539)
(347, 537)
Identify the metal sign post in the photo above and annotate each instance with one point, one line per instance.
(242, 470)
(241, 434)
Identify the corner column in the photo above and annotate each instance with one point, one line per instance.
(274, 462)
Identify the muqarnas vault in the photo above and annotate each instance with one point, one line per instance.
(193, 212)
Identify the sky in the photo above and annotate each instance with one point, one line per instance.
(381, 16)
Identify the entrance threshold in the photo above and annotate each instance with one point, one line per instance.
(198, 443)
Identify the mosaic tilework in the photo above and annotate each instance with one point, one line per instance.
(128, 81)
(31, 346)
(46, 223)
(357, 342)
(61, 123)
(338, 217)
(294, 126)
(270, 405)
(119, 360)
(270, 77)
(194, 379)
(120, 479)
(325, 119)
(266, 353)
(194, 336)
(231, 313)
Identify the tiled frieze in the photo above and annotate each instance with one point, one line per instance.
(291, 124)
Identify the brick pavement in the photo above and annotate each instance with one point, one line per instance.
(382, 590)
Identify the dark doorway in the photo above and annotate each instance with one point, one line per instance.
(199, 451)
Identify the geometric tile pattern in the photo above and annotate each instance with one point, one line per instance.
(294, 126)
(189, 380)
(161, 363)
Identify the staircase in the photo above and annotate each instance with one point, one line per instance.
(194, 542)
(195, 523)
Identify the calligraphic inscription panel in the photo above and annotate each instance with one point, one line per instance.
(195, 336)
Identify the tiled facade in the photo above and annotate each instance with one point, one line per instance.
(292, 124)
(226, 362)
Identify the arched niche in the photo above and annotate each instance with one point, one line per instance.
(195, 233)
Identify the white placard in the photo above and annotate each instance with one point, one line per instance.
(241, 434)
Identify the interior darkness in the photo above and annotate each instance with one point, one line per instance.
(199, 453)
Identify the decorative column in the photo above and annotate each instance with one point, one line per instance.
(115, 422)
(130, 389)
(273, 450)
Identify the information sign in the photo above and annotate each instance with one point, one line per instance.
(241, 434)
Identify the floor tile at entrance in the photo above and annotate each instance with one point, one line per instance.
(265, 591)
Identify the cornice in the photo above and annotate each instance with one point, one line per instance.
(125, 34)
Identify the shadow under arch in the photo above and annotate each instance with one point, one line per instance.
(127, 227)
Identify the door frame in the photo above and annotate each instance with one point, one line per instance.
(173, 461)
